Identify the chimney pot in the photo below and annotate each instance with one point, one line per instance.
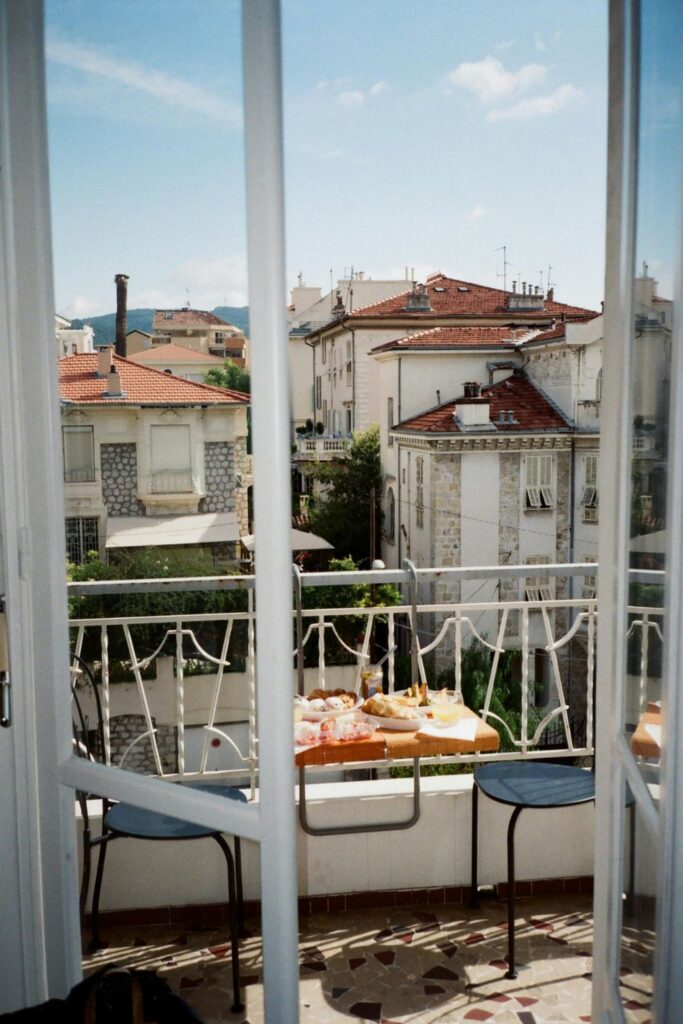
(114, 384)
(104, 360)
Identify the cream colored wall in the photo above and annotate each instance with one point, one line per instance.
(121, 425)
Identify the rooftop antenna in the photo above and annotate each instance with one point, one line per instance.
(331, 288)
(301, 278)
(551, 284)
(541, 276)
(504, 275)
(187, 298)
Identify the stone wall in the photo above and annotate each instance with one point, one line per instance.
(446, 491)
(119, 468)
(126, 728)
(219, 477)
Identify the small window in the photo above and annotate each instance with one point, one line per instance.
(168, 315)
(598, 386)
(538, 588)
(171, 459)
(390, 421)
(349, 427)
(590, 583)
(419, 493)
(79, 454)
(589, 497)
(539, 491)
(82, 536)
(324, 351)
(318, 392)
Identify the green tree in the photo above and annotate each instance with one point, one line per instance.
(230, 376)
(347, 595)
(343, 513)
(147, 564)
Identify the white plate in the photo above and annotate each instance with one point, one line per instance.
(395, 724)
(418, 711)
(320, 716)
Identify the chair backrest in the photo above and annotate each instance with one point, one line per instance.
(88, 731)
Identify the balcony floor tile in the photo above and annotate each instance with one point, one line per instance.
(400, 965)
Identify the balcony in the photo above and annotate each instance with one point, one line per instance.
(322, 447)
(404, 939)
(171, 492)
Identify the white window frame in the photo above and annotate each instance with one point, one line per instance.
(72, 476)
(46, 771)
(539, 482)
(540, 587)
(419, 492)
(589, 497)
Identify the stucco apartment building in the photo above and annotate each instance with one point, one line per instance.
(202, 331)
(150, 459)
(310, 310)
(345, 374)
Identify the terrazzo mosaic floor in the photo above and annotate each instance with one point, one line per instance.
(422, 965)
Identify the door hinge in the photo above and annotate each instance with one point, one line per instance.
(5, 696)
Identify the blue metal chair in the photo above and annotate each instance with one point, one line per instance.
(524, 784)
(120, 820)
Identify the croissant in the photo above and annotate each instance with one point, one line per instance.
(387, 707)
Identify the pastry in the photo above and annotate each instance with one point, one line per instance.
(387, 707)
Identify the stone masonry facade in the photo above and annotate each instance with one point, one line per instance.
(119, 466)
(219, 477)
(127, 728)
(446, 491)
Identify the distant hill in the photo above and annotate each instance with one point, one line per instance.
(141, 320)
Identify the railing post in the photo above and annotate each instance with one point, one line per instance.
(300, 681)
(414, 643)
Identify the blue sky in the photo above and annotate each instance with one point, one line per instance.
(422, 136)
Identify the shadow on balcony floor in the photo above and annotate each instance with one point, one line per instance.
(421, 965)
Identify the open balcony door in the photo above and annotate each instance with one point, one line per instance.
(641, 545)
(40, 936)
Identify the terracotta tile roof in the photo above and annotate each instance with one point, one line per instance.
(457, 337)
(450, 297)
(142, 385)
(188, 317)
(531, 410)
(174, 354)
(555, 332)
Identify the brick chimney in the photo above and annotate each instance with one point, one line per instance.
(121, 281)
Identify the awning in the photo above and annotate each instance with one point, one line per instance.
(649, 543)
(301, 541)
(164, 531)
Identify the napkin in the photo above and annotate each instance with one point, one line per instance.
(465, 729)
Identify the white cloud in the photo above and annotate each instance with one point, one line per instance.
(351, 98)
(539, 41)
(491, 81)
(85, 305)
(176, 92)
(506, 44)
(540, 106)
(476, 213)
(357, 97)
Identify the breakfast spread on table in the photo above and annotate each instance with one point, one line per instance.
(327, 716)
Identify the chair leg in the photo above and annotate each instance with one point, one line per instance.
(85, 880)
(238, 1005)
(240, 890)
(474, 894)
(99, 874)
(511, 971)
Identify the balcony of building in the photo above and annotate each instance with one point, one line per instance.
(321, 447)
(386, 930)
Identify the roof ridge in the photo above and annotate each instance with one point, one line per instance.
(193, 383)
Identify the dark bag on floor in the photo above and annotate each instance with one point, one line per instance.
(114, 995)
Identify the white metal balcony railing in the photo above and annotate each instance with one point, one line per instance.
(172, 482)
(518, 625)
(315, 447)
